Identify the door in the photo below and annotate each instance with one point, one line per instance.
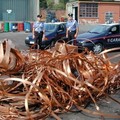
(113, 37)
(61, 32)
(75, 13)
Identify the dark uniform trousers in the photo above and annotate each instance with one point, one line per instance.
(71, 36)
(38, 39)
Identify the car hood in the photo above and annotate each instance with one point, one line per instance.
(48, 33)
(88, 35)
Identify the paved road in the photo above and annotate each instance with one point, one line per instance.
(18, 38)
(105, 105)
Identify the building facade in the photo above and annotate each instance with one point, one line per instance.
(18, 10)
(94, 12)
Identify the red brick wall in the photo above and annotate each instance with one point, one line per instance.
(114, 8)
(58, 13)
(102, 9)
(88, 20)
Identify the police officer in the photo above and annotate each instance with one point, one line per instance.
(72, 28)
(38, 31)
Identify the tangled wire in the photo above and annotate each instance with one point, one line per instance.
(40, 84)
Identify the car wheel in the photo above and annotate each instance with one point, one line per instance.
(98, 48)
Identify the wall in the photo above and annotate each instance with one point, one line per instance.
(58, 13)
(34, 9)
(22, 10)
(89, 21)
(86, 27)
(18, 8)
(103, 8)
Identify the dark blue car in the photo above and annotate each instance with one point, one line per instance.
(53, 33)
(101, 37)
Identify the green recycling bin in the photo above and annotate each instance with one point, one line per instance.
(6, 27)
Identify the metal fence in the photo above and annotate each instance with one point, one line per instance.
(18, 10)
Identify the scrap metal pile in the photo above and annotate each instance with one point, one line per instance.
(37, 84)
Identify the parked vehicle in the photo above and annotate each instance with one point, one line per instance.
(101, 37)
(53, 32)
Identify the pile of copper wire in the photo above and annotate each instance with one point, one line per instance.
(43, 83)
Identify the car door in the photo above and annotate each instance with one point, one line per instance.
(113, 36)
(61, 32)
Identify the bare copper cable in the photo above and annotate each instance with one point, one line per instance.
(53, 81)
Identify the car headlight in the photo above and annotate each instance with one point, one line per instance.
(27, 38)
(82, 42)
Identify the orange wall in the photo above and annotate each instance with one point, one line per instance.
(88, 20)
(103, 8)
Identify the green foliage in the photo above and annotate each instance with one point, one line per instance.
(50, 4)
(59, 6)
(62, 3)
(73, 0)
(43, 3)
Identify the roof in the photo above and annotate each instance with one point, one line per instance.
(105, 2)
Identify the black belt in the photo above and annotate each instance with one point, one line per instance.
(72, 31)
(39, 32)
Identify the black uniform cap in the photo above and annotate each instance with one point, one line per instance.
(70, 15)
(39, 16)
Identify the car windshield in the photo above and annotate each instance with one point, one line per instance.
(50, 27)
(99, 29)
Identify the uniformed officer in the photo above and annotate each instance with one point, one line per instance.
(72, 28)
(38, 31)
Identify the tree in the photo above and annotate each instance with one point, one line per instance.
(50, 3)
(43, 3)
(96, 0)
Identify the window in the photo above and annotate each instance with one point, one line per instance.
(50, 27)
(109, 17)
(114, 30)
(89, 10)
(61, 27)
(99, 29)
